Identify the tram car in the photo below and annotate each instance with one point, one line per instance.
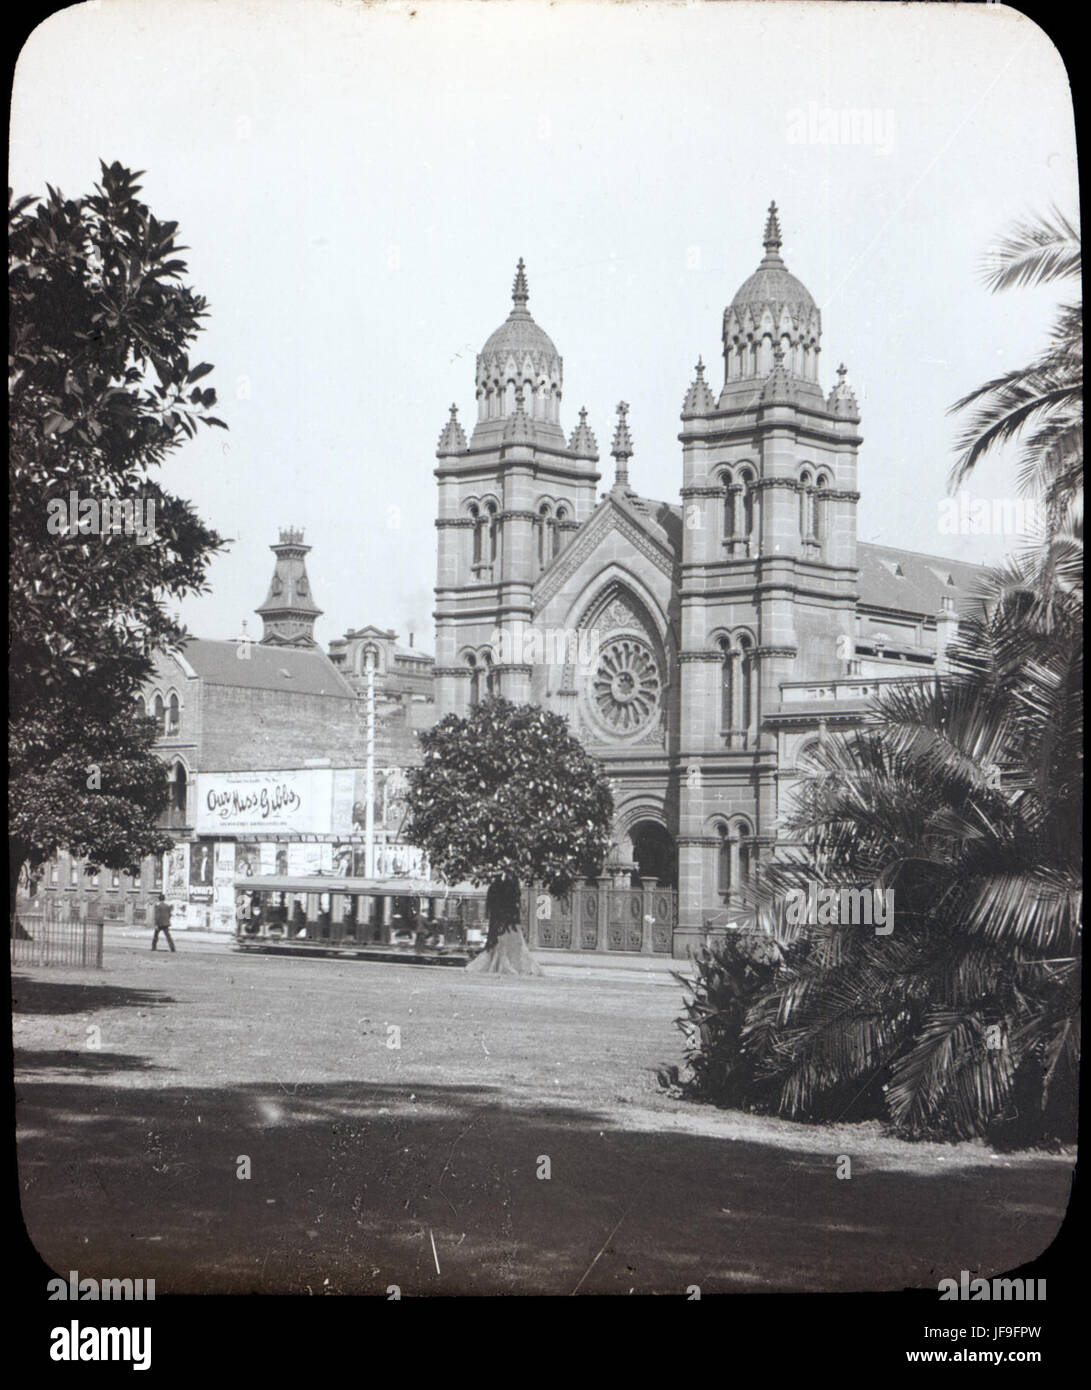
(367, 918)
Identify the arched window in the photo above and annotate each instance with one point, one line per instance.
(478, 521)
(475, 681)
(735, 857)
(730, 511)
(806, 506)
(562, 515)
(821, 508)
(738, 687)
(727, 685)
(494, 532)
(178, 790)
(746, 499)
(746, 682)
(723, 861)
(158, 713)
(492, 675)
(173, 715)
(542, 527)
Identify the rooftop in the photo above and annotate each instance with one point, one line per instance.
(308, 672)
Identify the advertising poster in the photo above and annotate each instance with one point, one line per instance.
(247, 859)
(177, 863)
(223, 886)
(201, 871)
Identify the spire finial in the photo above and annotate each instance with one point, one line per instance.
(700, 369)
(772, 232)
(842, 372)
(622, 447)
(519, 292)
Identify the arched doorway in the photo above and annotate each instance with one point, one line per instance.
(654, 854)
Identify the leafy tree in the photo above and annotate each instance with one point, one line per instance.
(101, 391)
(507, 797)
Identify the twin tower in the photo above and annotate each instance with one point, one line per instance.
(762, 547)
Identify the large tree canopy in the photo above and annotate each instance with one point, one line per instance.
(101, 390)
(507, 797)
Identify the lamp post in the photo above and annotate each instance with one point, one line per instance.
(369, 810)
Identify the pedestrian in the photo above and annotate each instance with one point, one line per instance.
(162, 922)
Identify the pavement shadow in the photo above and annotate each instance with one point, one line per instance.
(351, 1187)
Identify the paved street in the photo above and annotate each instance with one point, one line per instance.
(144, 1090)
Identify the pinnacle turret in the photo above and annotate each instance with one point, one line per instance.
(622, 447)
(453, 438)
(583, 441)
(778, 384)
(699, 400)
(518, 429)
(842, 399)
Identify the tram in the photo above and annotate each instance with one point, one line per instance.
(373, 918)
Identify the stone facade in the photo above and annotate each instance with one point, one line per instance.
(696, 649)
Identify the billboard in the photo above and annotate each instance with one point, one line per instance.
(303, 801)
(299, 802)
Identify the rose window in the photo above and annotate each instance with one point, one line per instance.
(625, 688)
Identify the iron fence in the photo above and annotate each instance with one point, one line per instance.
(45, 937)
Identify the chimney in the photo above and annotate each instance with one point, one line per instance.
(410, 637)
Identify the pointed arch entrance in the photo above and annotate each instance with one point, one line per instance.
(654, 854)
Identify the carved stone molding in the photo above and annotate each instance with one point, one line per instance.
(584, 546)
(444, 521)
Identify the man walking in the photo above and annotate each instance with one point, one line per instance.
(162, 922)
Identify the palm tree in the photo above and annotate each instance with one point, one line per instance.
(962, 796)
(1043, 400)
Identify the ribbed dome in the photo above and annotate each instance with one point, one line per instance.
(774, 285)
(519, 334)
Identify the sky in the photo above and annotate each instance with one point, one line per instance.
(356, 183)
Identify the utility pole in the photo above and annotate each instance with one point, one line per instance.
(369, 822)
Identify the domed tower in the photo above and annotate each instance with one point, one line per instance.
(772, 310)
(510, 500)
(769, 565)
(289, 611)
(519, 358)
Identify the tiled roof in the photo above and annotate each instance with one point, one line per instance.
(308, 672)
(906, 579)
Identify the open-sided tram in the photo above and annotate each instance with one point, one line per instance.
(370, 918)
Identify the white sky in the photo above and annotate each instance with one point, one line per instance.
(356, 184)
